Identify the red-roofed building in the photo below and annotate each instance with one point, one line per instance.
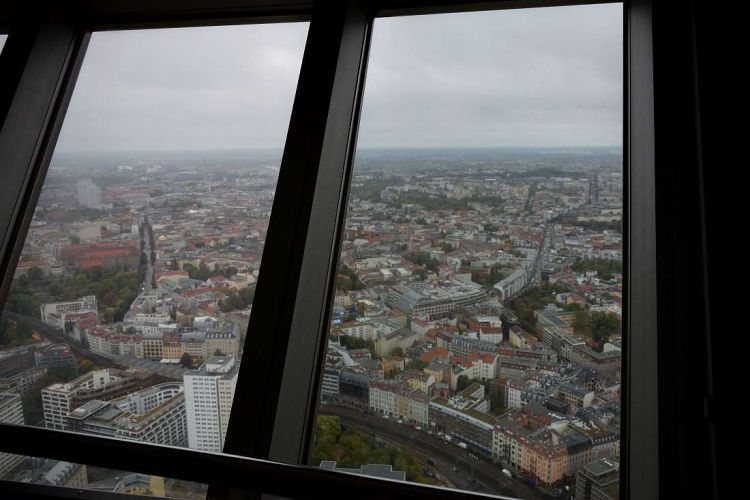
(107, 255)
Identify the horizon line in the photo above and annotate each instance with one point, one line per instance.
(363, 148)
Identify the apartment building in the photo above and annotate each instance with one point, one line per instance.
(209, 391)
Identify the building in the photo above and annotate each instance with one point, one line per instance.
(576, 396)
(224, 342)
(22, 382)
(209, 391)
(131, 484)
(103, 341)
(11, 412)
(59, 399)
(382, 471)
(89, 194)
(329, 387)
(435, 302)
(464, 416)
(598, 480)
(53, 313)
(109, 255)
(354, 389)
(53, 473)
(153, 415)
(57, 355)
(512, 284)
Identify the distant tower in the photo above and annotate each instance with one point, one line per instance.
(89, 194)
(593, 194)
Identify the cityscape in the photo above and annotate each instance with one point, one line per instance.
(475, 336)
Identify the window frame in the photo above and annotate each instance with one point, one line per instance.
(40, 62)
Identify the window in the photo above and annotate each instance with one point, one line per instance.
(318, 216)
(2, 41)
(478, 300)
(129, 305)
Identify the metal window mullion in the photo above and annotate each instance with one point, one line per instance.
(276, 391)
(249, 476)
(40, 63)
(640, 402)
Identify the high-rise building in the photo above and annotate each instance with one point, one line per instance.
(209, 391)
(89, 194)
(593, 194)
(11, 412)
(598, 480)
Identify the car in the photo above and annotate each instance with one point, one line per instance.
(507, 473)
(386, 417)
(399, 421)
(418, 428)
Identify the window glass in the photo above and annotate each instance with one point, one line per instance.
(59, 473)
(2, 41)
(476, 329)
(130, 302)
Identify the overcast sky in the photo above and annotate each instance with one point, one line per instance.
(532, 77)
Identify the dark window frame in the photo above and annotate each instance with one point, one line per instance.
(39, 65)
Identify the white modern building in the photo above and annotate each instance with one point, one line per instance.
(153, 415)
(59, 399)
(513, 284)
(209, 391)
(53, 313)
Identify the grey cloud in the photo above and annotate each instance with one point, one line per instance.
(190, 88)
(534, 77)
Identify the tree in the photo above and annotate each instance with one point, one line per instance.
(85, 366)
(599, 325)
(417, 364)
(23, 303)
(462, 383)
(247, 295)
(186, 360)
(352, 342)
(348, 280)
(110, 299)
(605, 268)
(397, 351)
(35, 273)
